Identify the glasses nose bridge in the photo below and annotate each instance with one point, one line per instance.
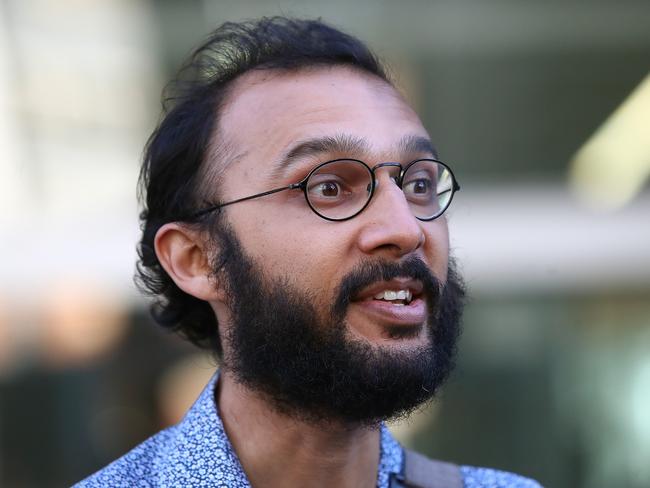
(388, 164)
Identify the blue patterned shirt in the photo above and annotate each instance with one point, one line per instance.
(197, 453)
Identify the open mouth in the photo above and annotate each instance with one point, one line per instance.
(398, 302)
(399, 298)
(398, 291)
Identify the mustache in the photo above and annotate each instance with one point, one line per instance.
(369, 272)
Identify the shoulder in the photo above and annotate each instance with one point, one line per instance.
(491, 478)
(138, 467)
(194, 452)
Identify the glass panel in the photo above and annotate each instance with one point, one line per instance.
(339, 189)
(424, 186)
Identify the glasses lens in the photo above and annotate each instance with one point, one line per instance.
(340, 189)
(428, 187)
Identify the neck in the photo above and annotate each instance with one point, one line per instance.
(276, 450)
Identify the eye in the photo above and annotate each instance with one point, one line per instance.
(419, 186)
(326, 189)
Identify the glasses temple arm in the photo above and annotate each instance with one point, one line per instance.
(212, 208)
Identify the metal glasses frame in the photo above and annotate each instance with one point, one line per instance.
(302, 185)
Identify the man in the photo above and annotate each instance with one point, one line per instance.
(294, 224)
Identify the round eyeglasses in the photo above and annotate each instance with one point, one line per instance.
(341, 189)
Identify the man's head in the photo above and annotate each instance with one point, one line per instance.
(307, 308)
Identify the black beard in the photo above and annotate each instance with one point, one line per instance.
(308, 366)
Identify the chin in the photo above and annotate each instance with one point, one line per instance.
(392, 336)
(401, 332)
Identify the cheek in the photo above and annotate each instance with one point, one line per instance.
(308, 251)
(436, 247)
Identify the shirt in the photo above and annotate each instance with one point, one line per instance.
(196, 452)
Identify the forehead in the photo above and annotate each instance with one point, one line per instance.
(267, 112)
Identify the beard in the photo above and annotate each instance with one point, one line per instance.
(307, 365)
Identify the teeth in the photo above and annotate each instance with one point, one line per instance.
(391, 295)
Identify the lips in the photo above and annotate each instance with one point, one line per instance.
(398, 311)
(397, 284)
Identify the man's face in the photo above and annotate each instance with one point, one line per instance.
(333, 271)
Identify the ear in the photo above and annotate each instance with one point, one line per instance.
(183, 254)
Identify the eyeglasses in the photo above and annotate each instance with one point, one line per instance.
(341, 189)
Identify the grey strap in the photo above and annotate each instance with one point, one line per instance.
(422, 472)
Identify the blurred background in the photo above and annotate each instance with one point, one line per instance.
(541, 108)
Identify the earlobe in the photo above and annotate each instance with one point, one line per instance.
(182, 254)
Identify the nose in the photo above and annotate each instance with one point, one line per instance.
(390, 226)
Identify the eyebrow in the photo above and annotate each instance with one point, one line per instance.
(346, 144)
(417, 144)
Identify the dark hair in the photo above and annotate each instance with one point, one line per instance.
(172, 177)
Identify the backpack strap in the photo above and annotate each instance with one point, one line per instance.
(419, 471)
